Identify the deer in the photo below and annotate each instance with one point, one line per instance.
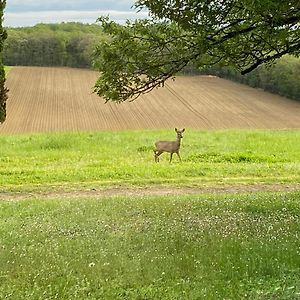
(168, 146)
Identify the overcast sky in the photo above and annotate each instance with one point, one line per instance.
(30, 12)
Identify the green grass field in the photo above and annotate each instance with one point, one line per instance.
(83, 160)
(192, 247)
(209, 246)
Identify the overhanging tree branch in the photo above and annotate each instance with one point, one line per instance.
(143, 54)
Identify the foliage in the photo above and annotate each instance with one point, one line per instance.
(143, 54)
(189, 247)
(66, 44)
(3, 89)
(109, 159)
(282, 77)
(7, 69)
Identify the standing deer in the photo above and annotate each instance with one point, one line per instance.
(168, 146)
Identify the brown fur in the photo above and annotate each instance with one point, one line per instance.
(168, 146)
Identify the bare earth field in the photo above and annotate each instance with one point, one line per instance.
(61, 99)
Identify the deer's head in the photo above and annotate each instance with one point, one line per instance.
(179, 133)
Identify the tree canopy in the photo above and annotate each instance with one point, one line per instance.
(143, 54)
(3, 89)
(66, 44)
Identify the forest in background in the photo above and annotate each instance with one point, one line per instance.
(65, 44)
(281, 77)
(72, 45)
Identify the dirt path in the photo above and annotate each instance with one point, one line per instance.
(149, 191)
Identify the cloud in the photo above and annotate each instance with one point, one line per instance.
(42, 5)
(20, 19)
(20, 13)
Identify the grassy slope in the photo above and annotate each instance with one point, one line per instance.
(190, 247)
(83, 160)
(196, 247)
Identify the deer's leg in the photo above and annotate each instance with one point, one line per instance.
(157, 154)
(178, 156)
(156, 157)
(171, 156)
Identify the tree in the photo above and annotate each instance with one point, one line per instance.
(143, 54)
(79, 50)
(3, 89)
(65, 44)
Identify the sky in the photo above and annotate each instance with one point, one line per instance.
(19, 13)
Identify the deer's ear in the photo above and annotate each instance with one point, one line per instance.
(176, 129)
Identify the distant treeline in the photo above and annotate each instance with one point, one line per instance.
(282, 77)
(72, 44)
(65, 44)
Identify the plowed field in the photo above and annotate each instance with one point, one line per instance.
(61, 99)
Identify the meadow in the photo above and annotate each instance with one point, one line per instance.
(107, 159)
(208, 246)
(189, 247)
